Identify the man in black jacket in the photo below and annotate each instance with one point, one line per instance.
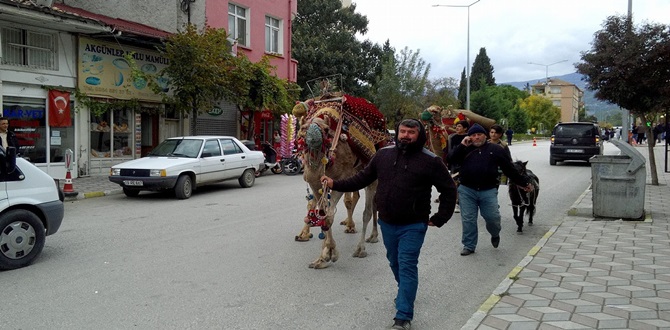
(7, 137)
(406, 173)
(478, 191)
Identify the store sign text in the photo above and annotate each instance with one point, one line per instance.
(24, 113)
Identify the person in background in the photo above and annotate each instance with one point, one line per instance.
(276, 138)
(406, 173)
(8, 137)
(454, 140)
(495, 133)
(478, 190)
(509, 133)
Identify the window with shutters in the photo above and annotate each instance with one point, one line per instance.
(29, 49)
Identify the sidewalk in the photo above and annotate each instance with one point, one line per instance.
(92, 186)
(591, 274)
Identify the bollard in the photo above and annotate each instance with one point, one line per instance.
(68, 189)
(534, 143)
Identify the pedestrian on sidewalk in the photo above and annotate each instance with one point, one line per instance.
(509, 133)
(406, 173)
(478, 191)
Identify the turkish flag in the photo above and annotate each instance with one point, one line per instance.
(59, 109)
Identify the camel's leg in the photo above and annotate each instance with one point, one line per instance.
(374, 235)
(328, 247)
(305, 233)
(367, 215)
(350, 201)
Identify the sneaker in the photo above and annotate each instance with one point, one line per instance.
(457, 209)
(401, 324)
(495, 241)
(466, 252)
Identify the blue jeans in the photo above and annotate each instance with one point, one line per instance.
(403, 245)
(486, 202)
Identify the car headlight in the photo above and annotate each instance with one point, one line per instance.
(115, 171)
(157, 173)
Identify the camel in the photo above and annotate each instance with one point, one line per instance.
(329, 147)
(439, 122)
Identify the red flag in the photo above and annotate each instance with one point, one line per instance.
(59, 109)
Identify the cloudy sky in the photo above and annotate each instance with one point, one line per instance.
(514, 32)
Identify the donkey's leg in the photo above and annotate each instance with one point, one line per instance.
(518, 218)
(328, 247)
(367, 215)
(350, 201)
(531, 206)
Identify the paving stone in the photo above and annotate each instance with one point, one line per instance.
(655, 303)
(485, 327)
(518, 288)
(611, 265)
(562, 325)
(559, 293)
(632, 274)
(571, 262)
(655, 269)
(547, 268)
(589, 271)
(584, 286)
(510, 321)
(594, 258)
(631, 291)
(608, 280)
(606, 298)
(600, 320)
(563, 277)
(636, 260)
(652, 284)
(572, 305)
(649, 324)
(630, 312)
(536, 282)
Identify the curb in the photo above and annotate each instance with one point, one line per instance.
(576, 211)
(93, 194)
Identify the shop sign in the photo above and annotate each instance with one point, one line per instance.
(266, 115)
(103, 71)
(216, 111)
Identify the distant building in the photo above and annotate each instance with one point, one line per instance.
(567, 96)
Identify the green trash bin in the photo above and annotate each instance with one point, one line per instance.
(618, 184)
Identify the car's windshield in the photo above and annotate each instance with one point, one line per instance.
(574, 131)
(188, 148)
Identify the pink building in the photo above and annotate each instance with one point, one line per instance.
(260, 27)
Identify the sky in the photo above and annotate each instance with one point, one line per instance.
(514, 32)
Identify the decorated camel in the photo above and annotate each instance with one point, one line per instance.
(338, 136)
(439, 123)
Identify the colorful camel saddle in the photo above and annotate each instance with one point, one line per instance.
(363, 124)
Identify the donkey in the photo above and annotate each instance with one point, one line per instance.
(522, 201)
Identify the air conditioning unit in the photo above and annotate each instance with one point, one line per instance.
(44, 3)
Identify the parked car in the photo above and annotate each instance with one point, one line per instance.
(31, 208)
(184, 163)
(575, 141)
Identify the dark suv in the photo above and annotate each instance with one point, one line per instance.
(575, 141)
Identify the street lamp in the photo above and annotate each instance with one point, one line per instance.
(467, 68)
(547, 68)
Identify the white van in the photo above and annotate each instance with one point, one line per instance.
(31, 208)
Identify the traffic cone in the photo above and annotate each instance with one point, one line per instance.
(68, 189)
(534, 143)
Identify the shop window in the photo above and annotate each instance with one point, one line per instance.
(111, 140)
(37, 142)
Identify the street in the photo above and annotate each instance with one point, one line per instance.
(226, 258)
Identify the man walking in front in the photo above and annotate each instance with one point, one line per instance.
(406, 173)
(478, 190)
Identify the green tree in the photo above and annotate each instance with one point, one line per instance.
(541, 111)
(198, 71)
(402, 88)
(462, 90)
(442, 92)
(324, 43)
(628, 65)
(518, 120)
(482, 72)
(496, 102)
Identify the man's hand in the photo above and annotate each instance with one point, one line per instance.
(528, 188)
(327, 181)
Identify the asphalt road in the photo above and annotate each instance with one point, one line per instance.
(226, 259)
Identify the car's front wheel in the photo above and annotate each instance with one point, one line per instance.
(184, 187)
(22, 238)
(247, 179)
(131, 192)
(552, 161)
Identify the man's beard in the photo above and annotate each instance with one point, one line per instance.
(478, 143)
(403, 144)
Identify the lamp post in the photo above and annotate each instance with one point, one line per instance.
(467, 68)
(546, 66)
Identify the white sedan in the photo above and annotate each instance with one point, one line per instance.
(183, 163)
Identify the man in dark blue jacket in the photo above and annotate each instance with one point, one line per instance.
(406, 173)
(478, 191)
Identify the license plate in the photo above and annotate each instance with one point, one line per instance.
(133, 182)
(575, 151)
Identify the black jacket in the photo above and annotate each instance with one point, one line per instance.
(406, 178)
(479, 165)
(12, 141)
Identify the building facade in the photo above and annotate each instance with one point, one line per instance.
(80, 49)
(568, 97)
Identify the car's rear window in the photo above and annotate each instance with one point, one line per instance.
(574, 131)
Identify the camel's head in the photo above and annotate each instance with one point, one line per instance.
(300, 109)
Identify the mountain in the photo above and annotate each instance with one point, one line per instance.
(598, 108)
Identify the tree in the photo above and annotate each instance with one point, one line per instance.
(198, 71)
(482, 72)
(462, 90)
(324, 43)
(442, 92)
(496, 102)
(541, 111)
(629, 65)
(402, 88)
